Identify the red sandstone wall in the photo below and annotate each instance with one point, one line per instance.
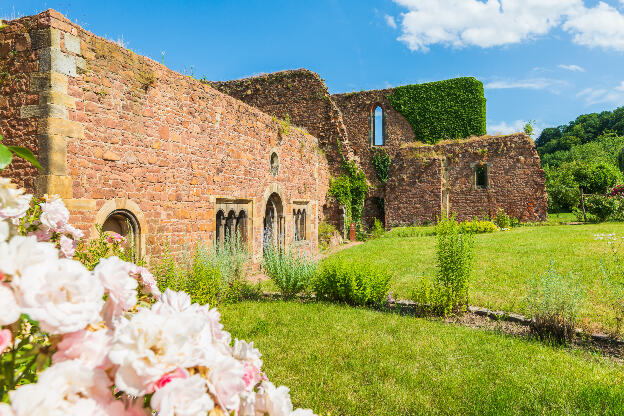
(173, 145)
(516, 180)
(17, 62)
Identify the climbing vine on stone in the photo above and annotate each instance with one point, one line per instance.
(381, 162)
(350, 190)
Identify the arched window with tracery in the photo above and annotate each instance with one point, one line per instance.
(125, 224)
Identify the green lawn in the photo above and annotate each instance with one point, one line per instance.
(504, 261)
(351, 361)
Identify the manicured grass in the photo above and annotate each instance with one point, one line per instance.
(351, 361)
(504, 261)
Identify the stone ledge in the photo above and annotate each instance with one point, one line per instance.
(80, 204)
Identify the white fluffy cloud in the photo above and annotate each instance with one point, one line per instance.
(461, 23)
(573, 68)
(603, 95)
(527, 84)
(513, 127)
(390, 21)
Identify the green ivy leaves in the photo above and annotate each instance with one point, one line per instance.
(381, 162)
(450, 109)
(350, 190)
(7, 152)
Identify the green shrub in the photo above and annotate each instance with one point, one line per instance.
(553, 303)
(217, 275)
(502, 220)
(602, 207)
(477, 227)
(381, 162)
(292, 272)
(440, 110)
(402, 232)
(350, 190)
(448, 293)
(325, 233)
(378, 230)
(351, 281)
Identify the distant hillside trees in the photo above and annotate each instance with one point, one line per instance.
(582, 155)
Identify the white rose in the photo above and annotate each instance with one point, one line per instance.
(89, 347)
(226, 382)
(13, 202)
(5, 410)
(21, 252)
(183, 397)
(114, 274)
(5, 230)
(273, 400)
(9, 311)
(68, 247)
(54, 214)
(67, 388)
(62, 295)
(149, 345)
(172, 301)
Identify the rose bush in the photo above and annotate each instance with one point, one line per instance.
(111, 342)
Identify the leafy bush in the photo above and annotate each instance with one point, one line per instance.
(401, 232)
(292, 272)
(381, 162)
(502, 220)
(378, 230)
(350, 190)
(351, 281)
(477, 227)
(553, 303)
(601, 207)
(212, 276)
(448, 293)
(325, 233)
(449, 109)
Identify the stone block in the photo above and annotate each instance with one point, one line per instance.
(111, 156)
(72, 43)
(54, 60)
(81, 204)
(51, 81)
(62, 127)
(45, 38)
(58, 98)
(43, 110)
(54, 185)
(53, 154)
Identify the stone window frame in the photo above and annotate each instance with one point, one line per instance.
(126, 207)
(233, 216)
(301, 227)
(371, 123)
(274, 163)
(488, 170)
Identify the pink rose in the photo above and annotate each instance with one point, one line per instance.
(54, 214)
(90, 347)
(168, 378)
(68, 247)
(5, 340)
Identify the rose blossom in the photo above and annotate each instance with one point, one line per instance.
(21, 252)
(89, 347)
(5, 340)
(62, 295)
(147, 281)
(149, 345)
(114, 274)
(226, 383)
(68, 247)
(9, 311)
(171, 302)
(169, 377)
(5, 410)
(67, 388)
(273, 400)
(54, 214)
(183, 397)
(13, 202)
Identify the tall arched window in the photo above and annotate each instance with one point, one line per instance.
(241, 226)
(377, 127)
(220, 227)
(230, 225)
(302, 225)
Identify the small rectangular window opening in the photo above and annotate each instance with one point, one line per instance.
(378, 135)
(481, 176)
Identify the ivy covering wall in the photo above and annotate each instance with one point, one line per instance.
(450, 109)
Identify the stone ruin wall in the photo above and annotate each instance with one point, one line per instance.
(124, 132)
(356, 109)
(442, 177)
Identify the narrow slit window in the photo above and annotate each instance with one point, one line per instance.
(481, 176)
(378, 125)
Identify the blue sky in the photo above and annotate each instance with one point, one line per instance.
(542, 60)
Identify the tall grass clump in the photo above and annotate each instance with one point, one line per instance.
(553, 302)
(613, 276)
(291, 271)
(448, 292)
(216, 275)
(351, 281)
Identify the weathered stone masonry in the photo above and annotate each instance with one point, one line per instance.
(121, 134)
(129, 143)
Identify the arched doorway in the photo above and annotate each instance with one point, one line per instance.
(124, 223)
(273, 230)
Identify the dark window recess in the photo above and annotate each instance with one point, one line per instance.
(481, 176)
